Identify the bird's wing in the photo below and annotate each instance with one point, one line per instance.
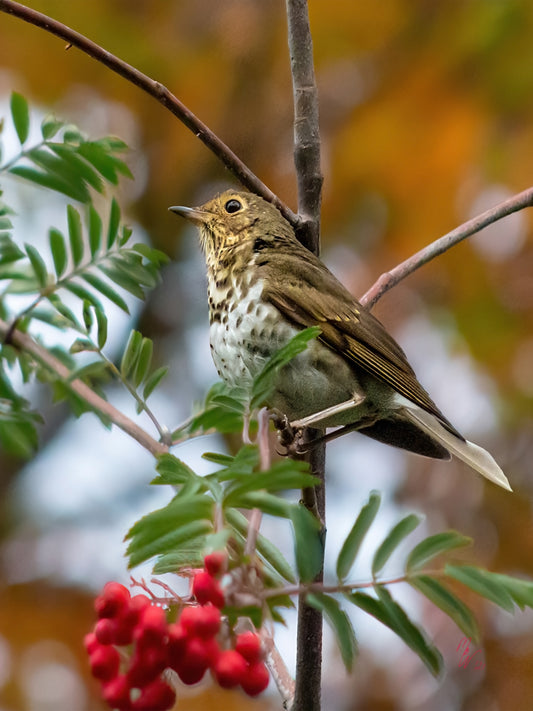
(307, 294)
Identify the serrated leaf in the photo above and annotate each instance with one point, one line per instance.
(95, 230)
(173, 471)
(49, 127)
(131, 353)
(350, 547)
(81, 345)
(52, 182)
(75, 234)
(153, 381)
(101, 326)
(105, 289)
(98, 157)
(82, 293)
(484, 583)
(87, 315)
(143, 362)
(340, 624)
(77, 166)
(113, 224)
(59, 251)
(263, 383)
(122, 279)
(163, 544)
(393, 616)
(280, 477)
(264, 547)
(402, 529)
(20, 114)
(130, 264)
(37, 262)
(445, 600)
(308, 543)
(267, 503)
(433, 546)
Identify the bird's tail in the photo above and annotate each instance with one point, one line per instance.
(470, 453)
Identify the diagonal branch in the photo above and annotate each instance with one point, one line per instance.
(26, 343)
(389, 279)
(159, 92)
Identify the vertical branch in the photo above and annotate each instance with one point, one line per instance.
(309, 177)
(306, 125)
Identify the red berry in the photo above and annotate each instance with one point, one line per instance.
(216, 563)
(157, 696)
(146, 665)
(104, 663)
(114, 598)
(90, 642)
(249, 645)
(201, 621)
(255, 679)
(105, 631)
(176, 644)
(206, 589)
(229, 669)
(199, 655)
(117, 693)
(189, 618)
(151, 627)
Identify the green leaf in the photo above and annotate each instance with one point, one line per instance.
(433, 546)
(123, 280)
(444, 599)
(9, 251)
(101, 324)
(39, 267)
(77, 166)
(131, 353)
(402, 529)
(49, 127)
(114, 222)
(389, 613)
(264, 547)
(95, 230)
(53, 182)
(59, 251)
(488, 585)
(350, 547)
(340, 624)
(97, 368)
(82, 293)
(143, 362)
(81, 345)
(21, 116)
(173, 471)
(105, 289)
(267, 503)
(87, 315)
(98, 157)
(153, 381)
(166, 543)
(308, 543)
(75, 234)
(263, 383)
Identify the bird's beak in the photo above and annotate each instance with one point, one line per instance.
(194, 214)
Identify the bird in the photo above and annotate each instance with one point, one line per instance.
(264, 287)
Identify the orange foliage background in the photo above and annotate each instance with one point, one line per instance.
(425, 106)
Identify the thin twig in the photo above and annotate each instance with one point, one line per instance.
(46, 359)
(306, 125)
(389, 279)
(159, 92)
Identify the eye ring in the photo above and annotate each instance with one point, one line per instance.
(232, 206)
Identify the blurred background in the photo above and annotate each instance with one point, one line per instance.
(427, 120)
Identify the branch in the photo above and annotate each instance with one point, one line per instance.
(25, 343)
(306, 125)
(389, 279)
(159, 92)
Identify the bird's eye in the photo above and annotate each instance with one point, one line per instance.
(232, 206)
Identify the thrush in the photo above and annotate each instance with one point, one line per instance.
(264, 287)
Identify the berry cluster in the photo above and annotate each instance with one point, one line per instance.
(131, 678)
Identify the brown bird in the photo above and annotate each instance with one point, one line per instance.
(264, 287)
